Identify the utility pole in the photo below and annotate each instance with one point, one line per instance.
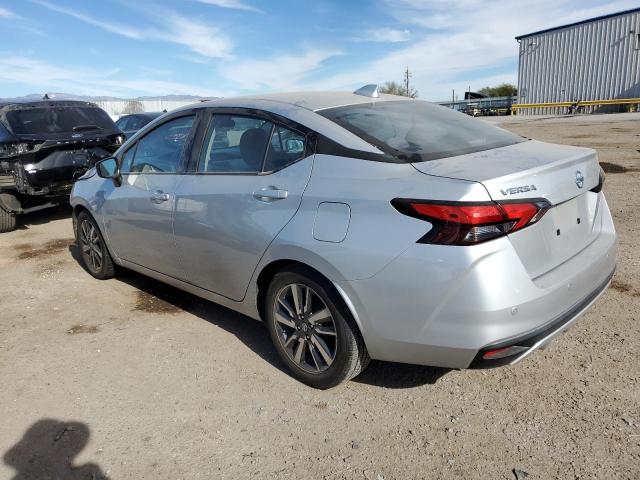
(406, 81)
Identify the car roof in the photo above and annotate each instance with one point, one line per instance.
(151, 115)
(313, 101)
(20, 103)
(301, 107)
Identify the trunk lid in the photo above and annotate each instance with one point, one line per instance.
(561, 174)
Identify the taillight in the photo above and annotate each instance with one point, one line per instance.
(465, 223)
(598, 187)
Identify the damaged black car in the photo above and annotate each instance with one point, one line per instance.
(44, 147)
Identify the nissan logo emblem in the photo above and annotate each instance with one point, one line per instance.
(579, 179)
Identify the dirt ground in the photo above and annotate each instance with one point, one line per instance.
(132, 379)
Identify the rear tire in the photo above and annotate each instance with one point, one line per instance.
(93, 250)
(7, 221)
(312, 330)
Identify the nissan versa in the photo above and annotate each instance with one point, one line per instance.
(357, 226)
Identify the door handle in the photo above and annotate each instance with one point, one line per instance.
(159, 196)
(270, 194)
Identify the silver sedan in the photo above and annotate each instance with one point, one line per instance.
(357, 226)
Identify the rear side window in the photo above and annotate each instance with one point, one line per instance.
(43, 120)
(417, 131)
(161, 150)
(234, 144)
(285, 148)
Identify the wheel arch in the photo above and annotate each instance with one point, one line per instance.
(77, 209)
(270, 269)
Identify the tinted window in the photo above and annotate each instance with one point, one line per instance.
(122, 123)
(415, 131)
(58, 119)
(234, 144)
(160, 150)
(286, 147)
(136, 123)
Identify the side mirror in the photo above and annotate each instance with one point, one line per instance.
(108, 168)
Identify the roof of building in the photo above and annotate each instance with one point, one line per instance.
(595, 19)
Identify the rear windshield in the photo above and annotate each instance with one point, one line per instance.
(417, 131)
(43, 120)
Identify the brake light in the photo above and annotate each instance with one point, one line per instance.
(598, 187)
(464, 223)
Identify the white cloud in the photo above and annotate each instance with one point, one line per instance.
(5, 13)
(457, 44)
(284, 72)
(44, 76)
(233, 4)
(118, 28)
(200, 38)
(384, 35)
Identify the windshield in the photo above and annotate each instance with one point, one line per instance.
(43, 120)
(416, 131)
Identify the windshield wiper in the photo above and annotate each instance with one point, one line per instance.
(78, 128)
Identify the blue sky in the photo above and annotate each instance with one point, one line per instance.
(232, 47)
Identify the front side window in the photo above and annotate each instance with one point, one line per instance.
(417, 131)
(125, 165)
(161, 150)
(234, 144)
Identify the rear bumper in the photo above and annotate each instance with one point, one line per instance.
(444, 306)
(532, 341)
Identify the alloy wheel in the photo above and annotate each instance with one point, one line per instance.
(305, 328)
(91, 245)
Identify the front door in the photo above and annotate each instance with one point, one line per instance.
(250, 178)
(138, 214)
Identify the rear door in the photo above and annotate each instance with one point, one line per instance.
(247, 183)
(138, 214)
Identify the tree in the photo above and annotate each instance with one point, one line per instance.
(133, 106)
(394, 88)
(502, 90)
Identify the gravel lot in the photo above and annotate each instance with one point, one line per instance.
(132, 379)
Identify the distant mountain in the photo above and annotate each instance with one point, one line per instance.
(86, 98)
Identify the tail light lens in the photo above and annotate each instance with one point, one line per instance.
(598, 187)
(463, 223)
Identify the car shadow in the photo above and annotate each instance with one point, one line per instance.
(157, 297)
(48, 450)
(41, 217)
(400, 375)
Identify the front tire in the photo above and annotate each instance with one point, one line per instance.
(93, 250)
(7, 221)
(312, 330)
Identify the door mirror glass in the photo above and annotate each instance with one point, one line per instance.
(108, 168)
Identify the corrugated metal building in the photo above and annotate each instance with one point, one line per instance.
(596, 59)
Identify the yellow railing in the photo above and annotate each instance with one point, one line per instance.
(581, 103)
